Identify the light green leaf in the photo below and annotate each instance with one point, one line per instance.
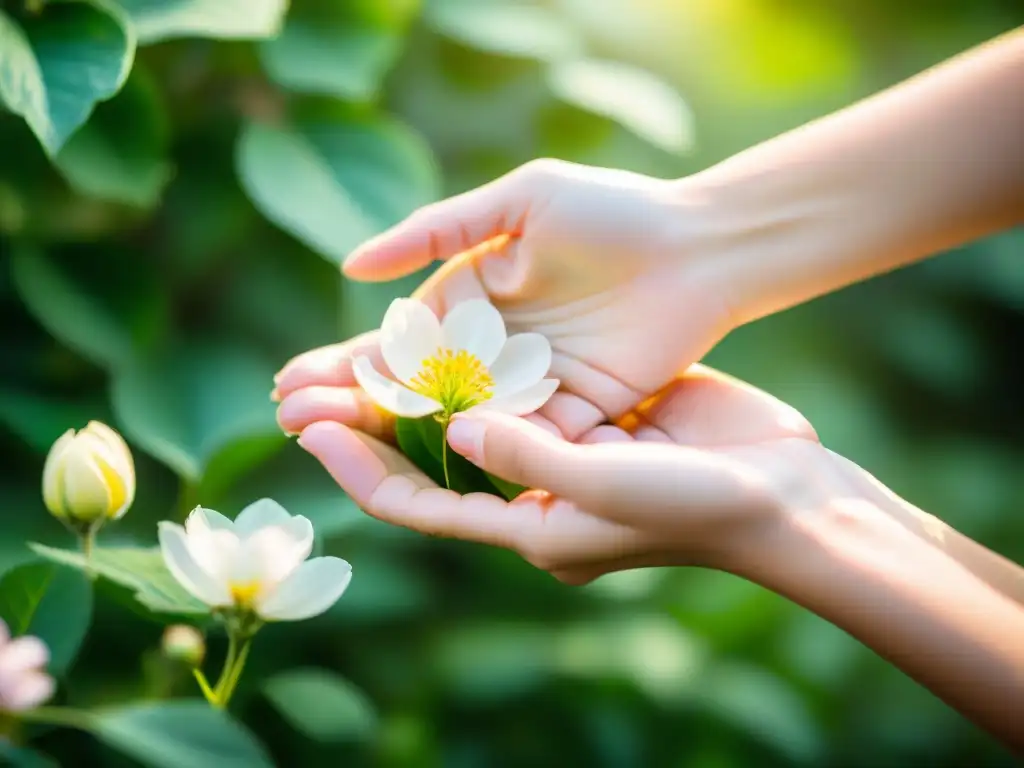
(156, 20)
(56, 66)
(173, 734)
(185, 404)
(52, 602)
(633, 97)
(121, 153)
(330, 57)
(506, 28)
(70, 311)
(137, 568)
(335, 183)
(322, 705)
(39, 421)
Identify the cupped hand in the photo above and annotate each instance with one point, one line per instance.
(695, 475)
(591, 258)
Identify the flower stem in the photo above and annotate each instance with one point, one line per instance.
(238, 652)
(88, 541)
(444, 450)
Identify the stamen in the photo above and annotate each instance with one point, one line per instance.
(457, 380)
(244, 594)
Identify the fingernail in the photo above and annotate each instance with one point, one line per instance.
(275, 396)
(466, 436)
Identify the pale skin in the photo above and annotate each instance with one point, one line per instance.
(633, 279)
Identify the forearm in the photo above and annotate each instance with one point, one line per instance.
(859, 568)
(920, 168)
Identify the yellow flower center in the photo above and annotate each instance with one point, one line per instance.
(245, 593)
(457, 380)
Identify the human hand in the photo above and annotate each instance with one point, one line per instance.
(696, 475)
(588, 257)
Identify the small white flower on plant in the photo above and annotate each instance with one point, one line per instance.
(255, 564)
(24, 683)
(465, 361)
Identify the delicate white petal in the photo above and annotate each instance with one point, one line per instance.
(214, 551)
(300, 529)
(475, 326)
(27, 692)
(260, 514)
(524, 360)
(269, 556)
(22, 655)
(311, 590)
(202, 519)
(120, 456)
(86, 495)
(390, 395)
(525, 401)
(409, 334)
(53, 468)
(181, 564)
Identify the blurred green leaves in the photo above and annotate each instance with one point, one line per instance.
(51, 602)
(55, 66)
(141, 570)
(156, 20)
(506, 28)
(336, 181)
(322, 705)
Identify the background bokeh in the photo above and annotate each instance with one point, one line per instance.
(185, 243)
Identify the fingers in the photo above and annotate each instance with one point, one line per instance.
(329, 366)
(390, 488)
(518, 451)
(441, 230)
(346, 405)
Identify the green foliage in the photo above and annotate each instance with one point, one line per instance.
(179, 180)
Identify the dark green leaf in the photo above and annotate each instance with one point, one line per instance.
(39, 421)
(322, 705)
(506, 28)
(58, 64)
(156, 20)
(121, 153)
(174, 734)
(23, 757)
(139, 569)
(635, 98)
(334, 183)
(186, 404)
(52, 602)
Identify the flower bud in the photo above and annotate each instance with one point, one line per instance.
(184, 644)
(89, 477)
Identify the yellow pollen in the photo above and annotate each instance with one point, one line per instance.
(244, 594)
(457, 380)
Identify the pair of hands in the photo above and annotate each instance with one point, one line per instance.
(639, 465)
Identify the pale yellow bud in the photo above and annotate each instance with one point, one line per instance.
(89, 476)
(185, 644)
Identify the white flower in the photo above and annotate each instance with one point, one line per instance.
(24, 683)
(89, 476)
(256, 563)
(466, 361)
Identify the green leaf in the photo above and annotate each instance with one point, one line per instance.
(139, 569)
(186, 404)
(57, 65)
(505, 28)
(330, 56)
(635, 98)
(23, 757)
(121, 153)
(421, 440)
(334, 183)
(156, 20)
(39, 421)
(173, 734)
(53, 603)
(322, 705)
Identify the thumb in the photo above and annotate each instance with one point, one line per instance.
(439, 231)
(518, 451)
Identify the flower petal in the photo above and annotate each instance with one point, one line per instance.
(390, 395)
(260, 514)
(27, 692)
(120, 455)
(53, 495)
(23, 654)
(311, 590)
(525, 401)
(188, 573)
(203, 519)
(86, 495)
(409, 334)
(475, 326)
(270, 556)
(524, 360)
